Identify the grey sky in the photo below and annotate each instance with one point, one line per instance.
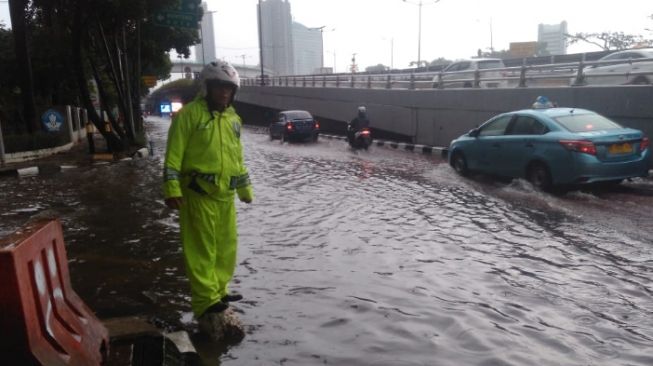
(450, 28)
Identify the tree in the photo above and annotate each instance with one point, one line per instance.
(111, 42)
(608, 41)
(20, 25)
(440, 61)
(494, 54)
(418, 63)
(541, 49)
(377, 68)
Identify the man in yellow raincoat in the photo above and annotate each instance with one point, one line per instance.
(203, 171)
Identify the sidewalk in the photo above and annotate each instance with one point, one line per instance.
(76, 156)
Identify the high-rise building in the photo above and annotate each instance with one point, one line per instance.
(275, 26)
(205, 51)
(554, 35)
(307, 43)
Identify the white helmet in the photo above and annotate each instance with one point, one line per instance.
(362, 109)
(221, 71)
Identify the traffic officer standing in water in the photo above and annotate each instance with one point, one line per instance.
(203, 171)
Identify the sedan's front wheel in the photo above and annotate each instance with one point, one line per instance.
(539, 176)
(459, 163)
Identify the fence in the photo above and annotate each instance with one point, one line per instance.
(555, 75)
(75, 122)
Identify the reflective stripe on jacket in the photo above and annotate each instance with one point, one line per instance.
(204, 148)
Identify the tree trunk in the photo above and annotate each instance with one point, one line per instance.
(103, 100)
(19, 28)
(115, 144)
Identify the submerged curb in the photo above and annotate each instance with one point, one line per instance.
(47, 169)
(417, 148)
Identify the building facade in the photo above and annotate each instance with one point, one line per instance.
(307, 43)
(205, 51)
(554, 37)
(275, 25)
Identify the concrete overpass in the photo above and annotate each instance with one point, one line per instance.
(436, 116)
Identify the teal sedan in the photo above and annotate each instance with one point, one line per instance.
(553, 147)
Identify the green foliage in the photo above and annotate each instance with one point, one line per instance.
(126, 27)
(502, 54)
(8, 80)
(377, 68)
(608, 41)
(541, 49)
(440, 61)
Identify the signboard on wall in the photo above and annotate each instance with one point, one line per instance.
(165, 108)
(52, 120)
(523, 49)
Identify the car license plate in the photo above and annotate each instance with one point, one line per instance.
(624, 148)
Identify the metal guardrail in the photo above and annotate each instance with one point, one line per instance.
(559, 74)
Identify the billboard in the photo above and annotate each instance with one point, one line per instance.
(523, 49)
(165, 108)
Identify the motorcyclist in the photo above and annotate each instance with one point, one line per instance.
(542, 102)
(358, 123)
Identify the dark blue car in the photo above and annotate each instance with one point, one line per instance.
(553, 147)
(294, 125)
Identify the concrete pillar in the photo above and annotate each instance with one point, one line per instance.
(69, 121)
(77, 120)
(2, 147)
(83, 122)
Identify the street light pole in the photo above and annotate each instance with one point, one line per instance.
(419, 29)
(419, 36)
(260, 40)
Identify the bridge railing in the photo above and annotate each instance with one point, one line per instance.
(553, 75)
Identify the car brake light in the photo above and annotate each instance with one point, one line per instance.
(644, 144)
(317, 124)
(365, 132)
(583, 146)
(289, 126)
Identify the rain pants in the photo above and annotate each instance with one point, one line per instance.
(204, 165)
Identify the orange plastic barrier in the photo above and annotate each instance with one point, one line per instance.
(42, 320)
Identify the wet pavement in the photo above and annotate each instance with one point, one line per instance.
(370, 258)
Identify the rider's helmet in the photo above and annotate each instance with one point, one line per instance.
(362, 109)
(542, 102)
(220, 72)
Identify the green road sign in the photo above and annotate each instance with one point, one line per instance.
(177, 19)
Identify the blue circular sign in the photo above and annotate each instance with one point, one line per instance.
(52, 120)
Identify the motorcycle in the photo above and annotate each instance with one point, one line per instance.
(361, 139)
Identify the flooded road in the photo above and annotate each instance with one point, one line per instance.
(371, 258)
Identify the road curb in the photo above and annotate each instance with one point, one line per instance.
(48, 169)
(417, 148)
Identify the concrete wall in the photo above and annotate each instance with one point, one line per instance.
(435, 117)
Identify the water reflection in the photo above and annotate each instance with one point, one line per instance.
(372, 258)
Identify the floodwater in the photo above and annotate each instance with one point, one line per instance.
(371, 258)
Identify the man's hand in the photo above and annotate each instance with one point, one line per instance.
(174, 202)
